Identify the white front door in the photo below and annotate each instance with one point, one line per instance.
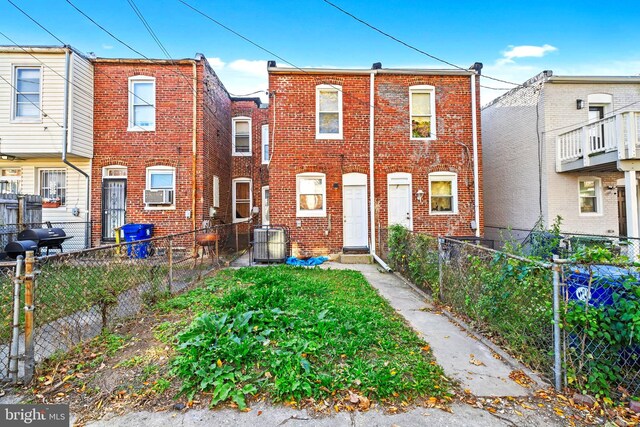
(355, 216)
(400, 205)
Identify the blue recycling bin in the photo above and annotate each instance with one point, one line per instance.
(607, 279)
(135, 233)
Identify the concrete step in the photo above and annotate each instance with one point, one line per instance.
(356, 259)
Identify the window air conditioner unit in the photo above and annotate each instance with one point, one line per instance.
(158, 197)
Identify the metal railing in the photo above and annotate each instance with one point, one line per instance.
(619, 132)
(79, 294)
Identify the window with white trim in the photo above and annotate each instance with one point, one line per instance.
(266, 217)
(328, 112)
(162, 178)
(590, 195)
(265, 144)
(27, 94)
(422, 108)
(53, 185)
(443, 193)
(10, 180)
(241, 136)
(242, 199)
(216, 191)
(142, 103)
(311, 194)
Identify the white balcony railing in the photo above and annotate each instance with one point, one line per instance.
(620, 132)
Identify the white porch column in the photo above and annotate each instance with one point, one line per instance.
(631, 199)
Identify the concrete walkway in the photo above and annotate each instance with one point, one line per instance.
(462, 356)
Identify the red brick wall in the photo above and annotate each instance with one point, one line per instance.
(171, 144)
(297, 150)
(251, 166)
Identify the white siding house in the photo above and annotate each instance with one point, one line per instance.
(36, 135)
(567, 146)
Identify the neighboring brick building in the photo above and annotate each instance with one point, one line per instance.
(163, 126)
(423, 139)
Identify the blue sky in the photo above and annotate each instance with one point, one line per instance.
(514, 40)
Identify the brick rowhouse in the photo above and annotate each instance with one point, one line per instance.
(198, 147)
(296, 149)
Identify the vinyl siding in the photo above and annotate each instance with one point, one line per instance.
(43, 136)
(81, 107)
(76, 188)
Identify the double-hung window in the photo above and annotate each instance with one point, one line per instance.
(590, 194)
(328, 112)
(311, 195)
(443, 193)
(142, 103)
(27, 94)
(53, 185)
(242, 136)
(423, 110)
(242, 199)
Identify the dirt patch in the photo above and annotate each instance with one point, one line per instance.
(124, 370)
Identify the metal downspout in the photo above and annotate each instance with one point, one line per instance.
(194, 147)
(65, 137)
(372, 215)
(474, 126)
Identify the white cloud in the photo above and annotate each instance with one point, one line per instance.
(242, 76)
(248, 67)
(525, 51)
(216, 63)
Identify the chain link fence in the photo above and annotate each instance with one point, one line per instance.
(73, 296)
(577, 323)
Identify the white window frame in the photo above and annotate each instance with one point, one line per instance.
(431, 90)
(13, 182)
(316, 212)
(598, 189)
(160, 169)
(266, 221)
(66, 182)
(266, 156)
(14, 97)
(132, 82)
(216, 191)
(338, 89)
(107, 169)
(233, 198)
(445, 177)
(233, 136)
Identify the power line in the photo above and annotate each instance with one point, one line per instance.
(177, 72)
(409, 45)
(44, 114)
(36, 22)
(231, 30)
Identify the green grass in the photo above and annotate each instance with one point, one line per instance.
(293, 333)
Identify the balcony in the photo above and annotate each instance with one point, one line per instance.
(608, 144)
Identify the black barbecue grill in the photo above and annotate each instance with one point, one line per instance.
(36, 239)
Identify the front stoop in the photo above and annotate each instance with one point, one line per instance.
(356, 259)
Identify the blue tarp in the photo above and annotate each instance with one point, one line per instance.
(309, 262)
